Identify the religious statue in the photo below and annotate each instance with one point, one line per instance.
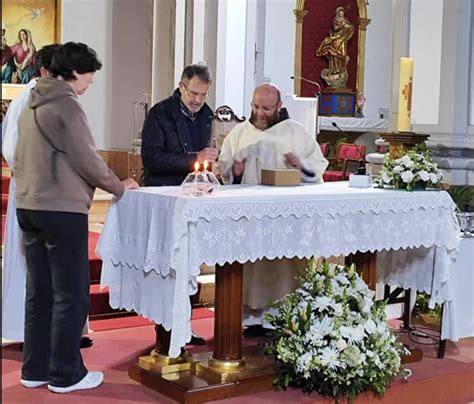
(334, 47)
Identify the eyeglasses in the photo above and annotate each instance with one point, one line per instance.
(194, 93)
(266, 110)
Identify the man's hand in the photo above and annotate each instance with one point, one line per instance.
(238, 168)
(293, 160)
(130, 183)
(209, 154)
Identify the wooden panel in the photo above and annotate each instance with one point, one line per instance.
(366, 266)
(117, 161)
(135, 167)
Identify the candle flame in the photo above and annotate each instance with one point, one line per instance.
(205, 165)
(196, 166)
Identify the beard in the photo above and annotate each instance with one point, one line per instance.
(266, 122)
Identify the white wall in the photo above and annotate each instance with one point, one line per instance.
(230, 70)
(97, 33)
(121, 37)
(471, 97)
(378, 56)
(426, 28)
(279, 57)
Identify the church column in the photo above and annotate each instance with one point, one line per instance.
(163, 60)
(210, 46)
(450, 139)
(299, 16)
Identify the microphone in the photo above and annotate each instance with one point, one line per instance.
(361, 169)
(308, 81)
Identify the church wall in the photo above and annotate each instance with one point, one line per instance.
(426, 29)
(230, 69)
(123, 42)
(279, 44)
(378, 56)
(121, 38)
(471, 97)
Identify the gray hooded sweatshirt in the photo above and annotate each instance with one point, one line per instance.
(56, 166)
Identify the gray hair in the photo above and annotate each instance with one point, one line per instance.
(200, 71)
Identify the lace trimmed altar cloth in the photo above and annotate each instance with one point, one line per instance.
(154, 239)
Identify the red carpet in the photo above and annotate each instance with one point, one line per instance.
(5, 184)
(138, 321)
(434, 381)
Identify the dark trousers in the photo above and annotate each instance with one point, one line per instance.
(57, 295)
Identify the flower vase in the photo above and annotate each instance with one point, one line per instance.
(419, 186)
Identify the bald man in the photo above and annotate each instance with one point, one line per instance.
(270, 139)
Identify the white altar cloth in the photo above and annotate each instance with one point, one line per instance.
(349, 124)
(155, 238)
(458, 313)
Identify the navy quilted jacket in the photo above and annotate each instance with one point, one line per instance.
(166, 144)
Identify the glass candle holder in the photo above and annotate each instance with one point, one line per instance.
(197, 184)
(466, 223)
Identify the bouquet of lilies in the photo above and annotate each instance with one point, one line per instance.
(331, 337)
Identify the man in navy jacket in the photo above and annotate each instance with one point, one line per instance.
(177, 130)
(176, 134)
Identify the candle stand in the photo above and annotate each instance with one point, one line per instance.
(401, 142)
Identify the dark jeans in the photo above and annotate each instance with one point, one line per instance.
(57, 295)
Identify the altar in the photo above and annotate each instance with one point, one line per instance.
(155, 239)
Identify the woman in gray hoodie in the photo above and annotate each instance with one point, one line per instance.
(57, 170)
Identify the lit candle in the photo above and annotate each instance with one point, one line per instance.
(405, 94)
(205, 165)
(196, 167)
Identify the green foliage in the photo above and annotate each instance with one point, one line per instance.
(422, 302)
(463, 196)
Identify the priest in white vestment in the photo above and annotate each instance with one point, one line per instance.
(273, 141)
(14, 262)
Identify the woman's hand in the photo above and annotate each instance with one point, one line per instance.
(130, 183)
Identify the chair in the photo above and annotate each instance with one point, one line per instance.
(349, 157)
(223, 121)
(324, 149)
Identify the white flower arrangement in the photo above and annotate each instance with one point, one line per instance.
(414, 170)
(331, 337)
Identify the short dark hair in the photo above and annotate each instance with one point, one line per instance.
(44, 58)
(202, 72)
(74, 56)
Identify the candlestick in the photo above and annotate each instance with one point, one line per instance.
(405, 94)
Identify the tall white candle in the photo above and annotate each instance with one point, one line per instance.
(405, 94)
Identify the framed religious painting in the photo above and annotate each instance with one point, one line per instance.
(27, 26)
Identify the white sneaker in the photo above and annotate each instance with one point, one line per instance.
(32, 383)
(90, 381)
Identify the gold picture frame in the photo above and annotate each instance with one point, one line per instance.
(41, 19)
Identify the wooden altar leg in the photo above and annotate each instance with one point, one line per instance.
(224, 372)
(366, 266)
(228, 313)
(163, 338)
